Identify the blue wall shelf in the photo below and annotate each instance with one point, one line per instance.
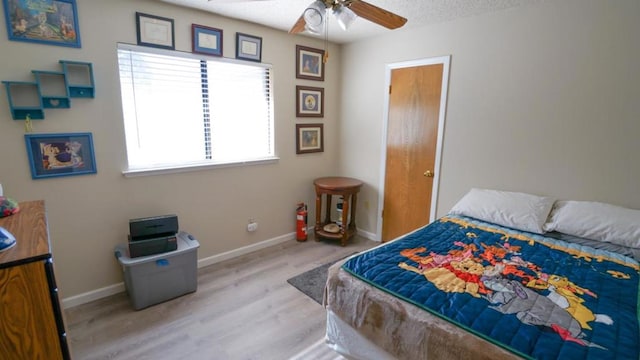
(79, 78)
(51, 90)
(24, 100)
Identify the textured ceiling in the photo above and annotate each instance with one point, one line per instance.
(282, 14)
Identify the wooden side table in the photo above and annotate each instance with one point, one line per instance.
(348, 189)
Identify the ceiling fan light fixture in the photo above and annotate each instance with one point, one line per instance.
(313, 30)
(344, 16)
(314, 17)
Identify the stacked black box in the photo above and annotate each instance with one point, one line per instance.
(152, 235)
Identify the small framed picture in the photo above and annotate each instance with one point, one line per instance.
(206, 40)
(309, 138)
(53, 22)
(309, 101)
(155, 31)
(248, 47)
(309, 64)
(52, 155)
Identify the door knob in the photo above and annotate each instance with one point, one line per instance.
(428, 173)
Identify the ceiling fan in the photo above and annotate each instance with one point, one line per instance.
(346, 11)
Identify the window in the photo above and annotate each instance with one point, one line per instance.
(181, 110)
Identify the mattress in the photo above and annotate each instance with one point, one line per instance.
(518, 295)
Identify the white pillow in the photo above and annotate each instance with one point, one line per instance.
(596, 221)
(512, 209)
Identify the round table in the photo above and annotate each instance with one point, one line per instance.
(345, 187)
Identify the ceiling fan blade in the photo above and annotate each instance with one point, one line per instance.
(375, 14)
(298, 27)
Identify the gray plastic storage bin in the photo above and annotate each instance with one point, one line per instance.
(156, 278)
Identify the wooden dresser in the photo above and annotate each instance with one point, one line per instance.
(31, 321)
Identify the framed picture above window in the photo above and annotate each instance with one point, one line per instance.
(248, 47)
(155, 31)
(309, 101)
(309, 64)
(309, 138)
(52, 155)
(52, 22)
(206, 40)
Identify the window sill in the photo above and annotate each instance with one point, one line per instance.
(172, 169)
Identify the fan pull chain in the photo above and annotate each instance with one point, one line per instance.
(325, 57)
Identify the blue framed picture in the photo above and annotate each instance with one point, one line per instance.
(52, 155)
(248, 47)
(52, 22)
(206, 40)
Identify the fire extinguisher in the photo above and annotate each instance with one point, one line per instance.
(301, 222)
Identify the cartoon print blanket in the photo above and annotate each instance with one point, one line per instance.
(536, 296)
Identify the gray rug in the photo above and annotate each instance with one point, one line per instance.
(312, 282)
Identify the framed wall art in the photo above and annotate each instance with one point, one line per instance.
(309, 101)
(248, 47)
(309, 64)
(155, 31)
(52, 22)
(52, 155)
(309, 138)
(206, 40)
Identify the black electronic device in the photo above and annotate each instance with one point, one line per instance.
(152, 235)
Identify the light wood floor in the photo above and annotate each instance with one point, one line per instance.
(243, 309)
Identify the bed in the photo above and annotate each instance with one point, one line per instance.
(502, 276)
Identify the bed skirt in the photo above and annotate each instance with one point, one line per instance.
(366, 323)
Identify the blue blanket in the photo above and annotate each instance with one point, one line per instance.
(536, 296)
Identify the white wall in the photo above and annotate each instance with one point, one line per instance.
(88, 215)
(542, 99)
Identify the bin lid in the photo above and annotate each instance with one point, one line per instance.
(186, 242)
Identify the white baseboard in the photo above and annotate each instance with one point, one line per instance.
(92, 295)
(368, 235)
(245, 250)
(119, 287)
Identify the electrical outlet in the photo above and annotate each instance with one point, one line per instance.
(0, 189)
(252, 226)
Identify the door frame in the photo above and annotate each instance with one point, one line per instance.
(445, 61)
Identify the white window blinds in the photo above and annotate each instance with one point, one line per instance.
(180, 109)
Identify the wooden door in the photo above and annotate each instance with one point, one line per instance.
(412, 136)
